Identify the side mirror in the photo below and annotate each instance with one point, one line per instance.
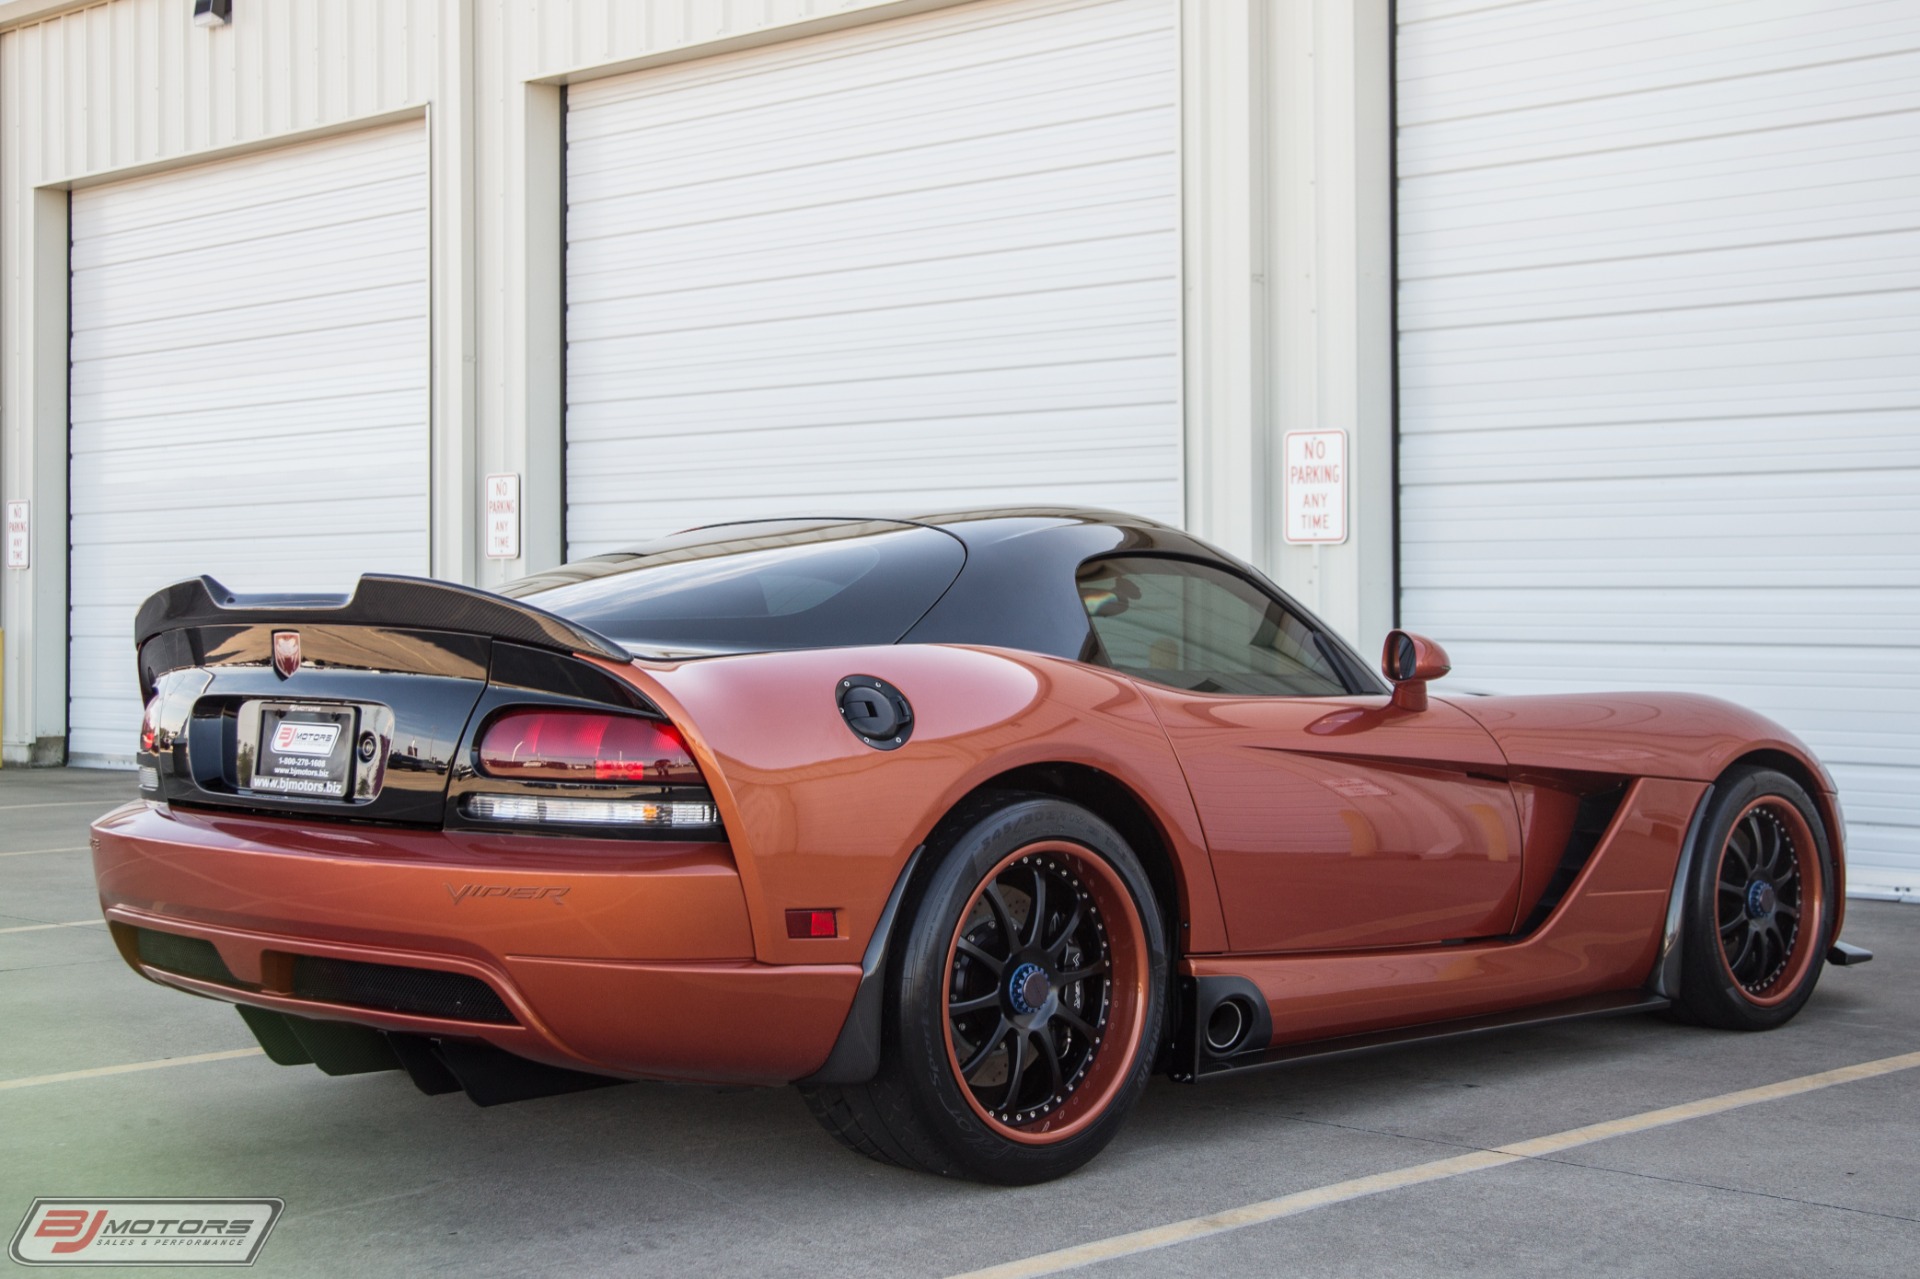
(1411, 660)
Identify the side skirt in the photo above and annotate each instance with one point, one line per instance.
(1614, 1005)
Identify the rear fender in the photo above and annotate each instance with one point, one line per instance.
(818, 819)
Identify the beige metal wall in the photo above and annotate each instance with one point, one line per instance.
(1285, 145)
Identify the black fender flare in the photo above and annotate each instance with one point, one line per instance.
(855, 1057)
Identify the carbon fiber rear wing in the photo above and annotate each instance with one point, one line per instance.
(380, 599)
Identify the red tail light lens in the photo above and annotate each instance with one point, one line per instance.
(584, 746)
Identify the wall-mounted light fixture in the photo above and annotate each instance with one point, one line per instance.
(212, 13)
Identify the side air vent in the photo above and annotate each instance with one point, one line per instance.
(423, 992)
(1590, 823)
(183, 956)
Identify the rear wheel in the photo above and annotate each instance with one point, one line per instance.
(1760, 905)
(1027, 995)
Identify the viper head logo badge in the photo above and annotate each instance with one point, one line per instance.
(286, 653)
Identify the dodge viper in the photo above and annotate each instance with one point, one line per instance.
(966, 824)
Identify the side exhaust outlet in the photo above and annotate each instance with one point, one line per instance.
(1227, 1026)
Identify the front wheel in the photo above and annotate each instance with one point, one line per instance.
(1759, 912)
(1026, 1002)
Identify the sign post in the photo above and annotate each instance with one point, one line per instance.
(503, 516)
(18, 545)
(1315, 487)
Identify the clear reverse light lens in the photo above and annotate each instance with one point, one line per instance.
(149, 777)
(533, 810)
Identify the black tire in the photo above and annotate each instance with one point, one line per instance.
(1090, 1034)
(1760, 904)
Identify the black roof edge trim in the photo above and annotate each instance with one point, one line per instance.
(380, 599)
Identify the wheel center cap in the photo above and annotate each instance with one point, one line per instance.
(1028, 988)
(1761, 899)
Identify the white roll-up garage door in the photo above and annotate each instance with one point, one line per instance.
(248, 391)
(1659, 304)
(932, 262)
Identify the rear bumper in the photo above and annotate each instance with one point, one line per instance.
(628, 959)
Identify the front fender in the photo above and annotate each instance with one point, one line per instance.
(1684, 736)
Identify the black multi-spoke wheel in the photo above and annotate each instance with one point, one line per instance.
(1032, 995)
(1759, 918)
(1759, 893)
(1027, 1006)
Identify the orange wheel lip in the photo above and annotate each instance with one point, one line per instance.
(1813, 901)
(1107, 1075)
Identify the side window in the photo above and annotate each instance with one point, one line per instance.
(1195, 627)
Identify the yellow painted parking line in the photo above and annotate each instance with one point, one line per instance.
(34, 1081)
(1178, 1232)
(35, 852)
(71, 923)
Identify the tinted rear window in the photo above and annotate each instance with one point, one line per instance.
(754, 588)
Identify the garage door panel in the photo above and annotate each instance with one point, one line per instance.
(1720, 279)
(1094, 317)
(911, 231)
(937, 275)
(1675, 200)
(945, 246)
(1662, 114)
(1636, 452)
(285, 232)
(874, 185)
(1457, 563)
(1709, 395)
(1549, 613)
(1091, 188)
(957, 461)
(250, 404)
(1042, 89)
(1682, 338)
(1004, 276)
(236, 331)
(941, 444)
(1508, 57)
(852, 401)
(308, 264)
(267, 396)
(255, 189)
(662, 380)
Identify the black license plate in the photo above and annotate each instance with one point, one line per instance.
(304, 750)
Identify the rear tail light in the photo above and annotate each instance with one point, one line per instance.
(591, 748)
(585, 746)
(550, 810)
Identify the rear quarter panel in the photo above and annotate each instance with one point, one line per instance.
(818, 819)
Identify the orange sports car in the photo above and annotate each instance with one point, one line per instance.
(964, 824)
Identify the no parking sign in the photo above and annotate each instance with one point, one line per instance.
(1316, 487)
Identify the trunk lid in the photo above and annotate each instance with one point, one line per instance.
(339, 706)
